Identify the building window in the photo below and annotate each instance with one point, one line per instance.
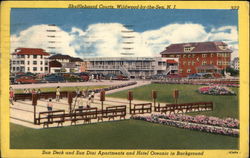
(28, 56)
(28, 69)
(22, 62)
(28, 62)
(34, 68)
(204, 55)
(189, 63)
(187, 49)
(22, 56)
(41, 62)
(17, 68)
(171, 56)
(188, 70)
(180, 70)
(17, 62)
(34, 62)
(41, 69)
(193, 55)
(211, 54)
(189, 55)
(218, 62)
(34, 56)
(46, 68)
(204, 62)
(184, 63)
(218, 55)
(41, 56)
(46, 63)
(14, 62)
(14, 68)
(184, 55)
(178, 56)
(193, 63)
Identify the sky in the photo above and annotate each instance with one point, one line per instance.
(119, 32)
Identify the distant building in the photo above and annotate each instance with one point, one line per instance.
(32, 60)
(132, 67)
(68, 63)
(235, 63)
(197, 57)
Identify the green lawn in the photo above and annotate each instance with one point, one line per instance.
(128, 134)
(53, 89)
(224, 106)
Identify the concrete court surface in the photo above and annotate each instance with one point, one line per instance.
(22, 111)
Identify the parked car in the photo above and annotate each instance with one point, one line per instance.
(173, 76)
(84, 76)
(109, 76)
(121, 77)
(54, 78)
(26, 80)
(195, 76)
(73, 78)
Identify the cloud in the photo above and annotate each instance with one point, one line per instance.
(38, 36)
(114, 39)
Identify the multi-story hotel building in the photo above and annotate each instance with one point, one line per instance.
(199, 57)
(32, 60)
(132, 67)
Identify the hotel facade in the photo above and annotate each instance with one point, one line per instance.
(199, 57)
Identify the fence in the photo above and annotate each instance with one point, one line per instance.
(141, 108)
(186, 107)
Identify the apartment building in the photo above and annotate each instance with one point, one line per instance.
(34, 60)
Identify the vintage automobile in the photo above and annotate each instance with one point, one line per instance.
(54, 78)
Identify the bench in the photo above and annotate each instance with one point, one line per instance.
(111, 112)
(22, 96)
(85, 114)
(141, 108)
(50, 117)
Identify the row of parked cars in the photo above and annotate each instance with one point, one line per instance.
(28, 78)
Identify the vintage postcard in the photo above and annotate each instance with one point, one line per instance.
(147, 79)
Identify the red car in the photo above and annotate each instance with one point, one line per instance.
(26, 79)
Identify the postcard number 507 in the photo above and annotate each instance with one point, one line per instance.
(235, 7)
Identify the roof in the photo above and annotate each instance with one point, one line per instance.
(171, 61)
(30, 51)
(55, 63)
(60, 56)
(198, 47)
(76, 60)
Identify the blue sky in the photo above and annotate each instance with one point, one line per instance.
(140, 19)
(76, 23)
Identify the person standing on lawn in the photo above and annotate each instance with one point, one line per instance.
(58, 93)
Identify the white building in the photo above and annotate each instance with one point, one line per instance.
(68, 63)
(32, 60)
(235, 63)
(132, 67)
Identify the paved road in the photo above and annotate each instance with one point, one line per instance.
(70, 84)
